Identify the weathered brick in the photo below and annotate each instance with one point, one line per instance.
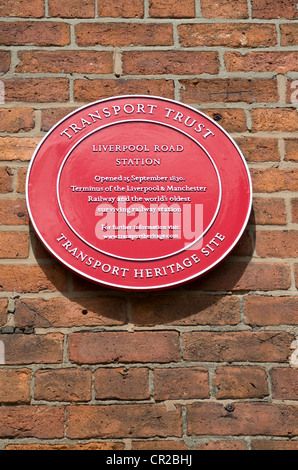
(21, 179)
(262, 310)
(31, 349)
(13, 212)
(63, 312)
(227, 34)
(65, 62)
(90, 90)
(14, 245)
(185, 310)
(124, 34)
(42, 422)
(19, 8)
(259, 149)
(294, 210)
(172, 9)
(119, 421)
(261, 346)
(121, 384)
(15, 386)
(269, 211)
(39, 33)
(284, 383)
(232, 90)
(50, 117)
(72, 8)
(291, 153)
(158, 445)
(18, 148)
(169, 62)
(271, 180)
(279, 62)
(270, 444)
(4, 61)
(240, 382)
(274, 119)
(231, 119)
(269, 9)
(63, 385)
(238, 275)
(247, 419)
(181, 383)
(277, 243)
(6, 176)
(222, 445)
(224, 9)
(289, 34)
(88, 446)
(124, 347)
(32, 278)
(120, 8)
(16, 120)
(40, 90)
(296, 274)
(3, 311)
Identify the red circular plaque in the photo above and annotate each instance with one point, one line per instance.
(138, 192)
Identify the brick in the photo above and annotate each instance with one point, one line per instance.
(88, 446)
(185, 309)
(31, 349)
(100, 347)
(6, 176)
(181, 383)
(277, 243)
(172, 9)
(16, 120)
(268, 310)
(240, 382)
(169, 62)
(231, 119)
(291, 153)
(120, 8)
(259, 149)
(270, 180)
(159, 445)
(42, 422)
(247, 419)
(269, 211)
(72, 8)
(294, 210)
(3, 311)
(4, 61)
(121, 384)
(224, 9)
(261, 346)
(289, 34)
(238, 275)
(65, 62)
(227, 35)
(63, 385)
(279, 62)
(90, 90)
(63, 312)
(14, 245)
(39, 90)
(18, 148)
(13, 212)
(21, 180)
(296, 274)
(22, 9)
(32, 278)
(50, 117)
(38, 33)
(244, 246)
(232, 90)
(271, 444)
(284, 383)
(124, 34)
(119, 421)
(222, 445)
(15, 386)
(269, 9)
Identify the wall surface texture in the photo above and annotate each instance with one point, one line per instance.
(212, 364)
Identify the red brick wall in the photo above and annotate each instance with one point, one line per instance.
(87, 367)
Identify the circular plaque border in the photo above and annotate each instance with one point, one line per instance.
(140, 259)
(126, 286)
